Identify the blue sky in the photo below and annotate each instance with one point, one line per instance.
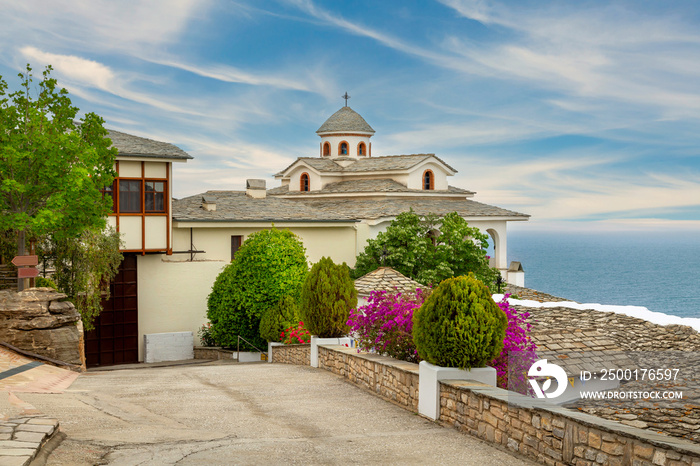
(583, 114)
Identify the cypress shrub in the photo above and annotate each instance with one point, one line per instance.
(459, 325)
(270, 264)
(282, 315)
(327, 296)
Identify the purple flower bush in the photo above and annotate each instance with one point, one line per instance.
(385, 324)
(518, 348)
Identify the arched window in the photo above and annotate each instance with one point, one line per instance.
(326, 149)
(304, 182)
(428, 180)
(361, 149)
(343, 148)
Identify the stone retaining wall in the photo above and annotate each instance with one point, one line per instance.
(292, 354)
(212, 352)
(390, 378)
(543, 432)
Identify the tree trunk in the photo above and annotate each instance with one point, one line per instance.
(20, 252)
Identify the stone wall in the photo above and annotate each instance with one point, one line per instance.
(213, 352)
(390, 378)
(8, 277)
(292, 354)
(39, 321)
(540, 431)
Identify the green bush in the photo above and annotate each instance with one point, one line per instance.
(459, 325)
(270, 264)
(282, 315)
(327, 296)
(44, 282)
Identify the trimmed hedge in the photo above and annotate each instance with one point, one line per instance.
(459, 325)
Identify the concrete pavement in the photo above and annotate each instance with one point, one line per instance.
(229, 413)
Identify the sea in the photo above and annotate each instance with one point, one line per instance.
(660, 271)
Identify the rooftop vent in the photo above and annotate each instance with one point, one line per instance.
(209, 203)
(255, 189)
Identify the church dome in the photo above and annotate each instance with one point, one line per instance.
(345, 120)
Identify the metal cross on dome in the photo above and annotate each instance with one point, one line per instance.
(346, 97)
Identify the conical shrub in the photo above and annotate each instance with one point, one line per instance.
(459, 325)
(327, 296)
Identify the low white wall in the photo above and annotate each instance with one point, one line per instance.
(175, 346)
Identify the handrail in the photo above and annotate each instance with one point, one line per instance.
(238, 349)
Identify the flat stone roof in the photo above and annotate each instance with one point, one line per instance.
(382, 185)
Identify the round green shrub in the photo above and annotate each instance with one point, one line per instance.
(45, 282)
(270, 264)
(282, 315)
(327, 296)
(459, 325)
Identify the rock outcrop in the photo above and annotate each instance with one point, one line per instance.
(39, 321)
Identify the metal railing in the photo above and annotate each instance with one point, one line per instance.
(238, 349)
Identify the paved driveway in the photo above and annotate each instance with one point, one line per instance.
(227, 413)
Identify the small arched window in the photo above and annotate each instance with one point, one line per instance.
(304, 182)
(327, 149)
(428, 180)
(343, 148)
(361, 149)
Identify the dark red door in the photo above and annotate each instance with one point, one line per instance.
(115, 337)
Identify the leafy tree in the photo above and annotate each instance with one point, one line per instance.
(51, 167)
(270, 264)
(84, 266)
(326, 299)
(429, 249)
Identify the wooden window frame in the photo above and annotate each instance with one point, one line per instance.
(301, 182)
(431, 180)
(119, 191)
(361, 146)
(236, 241)
(326, 152)
(340, 146)
(165, 195)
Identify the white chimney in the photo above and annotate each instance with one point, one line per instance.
(209, 203)
(255, 189)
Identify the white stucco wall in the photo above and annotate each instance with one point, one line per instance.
(129, 169)
(352, 141)
(173, 295)
(415, 178)
(337, 241)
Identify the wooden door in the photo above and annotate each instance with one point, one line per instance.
(115, 337)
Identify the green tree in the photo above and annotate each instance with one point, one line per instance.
(326, 299)
(52, 168)
(84, 266)
(270, 264)
(428, 249)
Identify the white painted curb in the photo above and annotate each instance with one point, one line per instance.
(315, 341)
(429, 377)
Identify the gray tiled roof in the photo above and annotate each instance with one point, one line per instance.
(383, 185)
(378, 208)
(236, 206)
(385, 279)
(135, 146)
(369, 164)
(345, 119)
